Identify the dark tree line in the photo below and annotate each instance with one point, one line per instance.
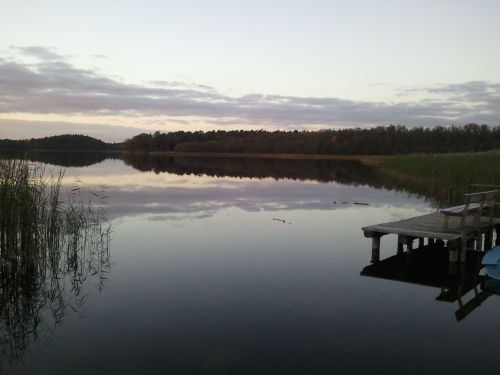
(385, 140)
(382, 140)
(66, 142)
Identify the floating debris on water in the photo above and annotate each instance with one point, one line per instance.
(358, 203)
(282, 220)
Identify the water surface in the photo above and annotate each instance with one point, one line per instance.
(204, 279)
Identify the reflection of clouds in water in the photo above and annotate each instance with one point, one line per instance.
(173, 197)
(139, 180)
(178, 203)
(181, 216)
(397, 215)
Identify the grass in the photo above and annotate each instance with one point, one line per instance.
(443, 177)
(49, 249)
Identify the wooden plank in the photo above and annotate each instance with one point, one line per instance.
(416, 233)
(482, 195)
(459, 210)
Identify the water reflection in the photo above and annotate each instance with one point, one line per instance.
(342, 171)
(206, 281)
(173, 197)
(61, 158)
(462, 283)
(50, 256)
(349, 172)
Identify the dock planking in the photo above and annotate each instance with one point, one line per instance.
(456, 233)
(432, 226)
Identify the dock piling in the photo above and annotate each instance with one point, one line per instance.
(488, 240)
(479, 242)
(375, 248)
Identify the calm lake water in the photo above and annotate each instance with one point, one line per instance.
(205, 280)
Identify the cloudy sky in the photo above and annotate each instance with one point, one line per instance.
(114, 68)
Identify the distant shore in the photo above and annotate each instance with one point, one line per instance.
(369, 159)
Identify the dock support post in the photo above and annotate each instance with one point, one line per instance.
(453, 255)
(470, 243)
(400, 245)
(409, 245)
(375, 236)
(453, 251)
(405, 240)
(488, 239)
(375, 248)
(420, 242)
(430, 241)
(479, 242)
(463, 249)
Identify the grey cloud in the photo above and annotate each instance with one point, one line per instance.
(179, 84)
(55, 86)
(42, 53)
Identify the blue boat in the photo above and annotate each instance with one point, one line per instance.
(493, 272)
(491, 263)
(492, 257)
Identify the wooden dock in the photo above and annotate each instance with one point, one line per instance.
(474, 233)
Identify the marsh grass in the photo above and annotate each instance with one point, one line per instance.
(443, 177)
(50, 249)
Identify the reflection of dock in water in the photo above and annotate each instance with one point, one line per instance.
(428, 266)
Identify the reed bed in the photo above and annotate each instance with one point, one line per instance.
(443, 177)
(50, 249)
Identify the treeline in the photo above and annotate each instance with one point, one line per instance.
(66, 142)
(382, 140)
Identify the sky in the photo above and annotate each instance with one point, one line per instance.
(115, 68)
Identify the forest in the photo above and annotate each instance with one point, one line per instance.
(66, 142)
(382, 140)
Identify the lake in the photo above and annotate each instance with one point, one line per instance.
(239, 266)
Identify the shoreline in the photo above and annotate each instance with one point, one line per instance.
(369, 159)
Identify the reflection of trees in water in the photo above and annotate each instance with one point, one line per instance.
(435, 188)
(342, 171)
(49, 254)
(61, 158)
